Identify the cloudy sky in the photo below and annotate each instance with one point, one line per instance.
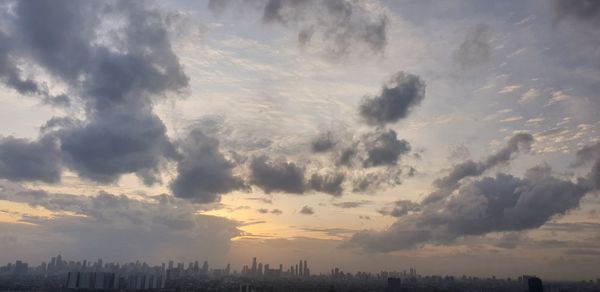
(364, 134)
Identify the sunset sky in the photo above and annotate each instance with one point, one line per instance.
(455, 137)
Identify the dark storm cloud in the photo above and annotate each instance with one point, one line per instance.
(327, 183)
(276, 175)
(402, 92)
(323, 142)
(203, 173)
(384, 148)
(342, 25)
(475, 49)
(490, 204)
(24, 160)
(114, 70)
(470, 168)
(306, 210)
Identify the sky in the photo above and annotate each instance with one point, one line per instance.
(365, 134)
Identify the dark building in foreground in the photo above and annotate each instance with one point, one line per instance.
(535, 284)
(393, 285)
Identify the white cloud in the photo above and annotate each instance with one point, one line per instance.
(509, 88)
(529, 96)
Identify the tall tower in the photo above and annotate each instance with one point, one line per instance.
(253, 271)
(306, 273)
(300, 269)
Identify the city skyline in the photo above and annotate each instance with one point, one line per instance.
(363, 134)
(60, 273)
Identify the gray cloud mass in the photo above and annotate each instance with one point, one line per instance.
(203, 173)
(402, 92)
(498, 203)
(276, 175)
(114, 79)
(23, 160)
(342, 25)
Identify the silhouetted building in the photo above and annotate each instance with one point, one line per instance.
(393, 285)
(535, 284)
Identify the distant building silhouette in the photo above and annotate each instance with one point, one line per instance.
(393, 285)
(535, 284)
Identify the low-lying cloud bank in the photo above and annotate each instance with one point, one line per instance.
(462, 207)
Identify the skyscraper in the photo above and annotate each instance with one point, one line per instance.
(535, 284)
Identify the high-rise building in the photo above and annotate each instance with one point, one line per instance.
(535, 284)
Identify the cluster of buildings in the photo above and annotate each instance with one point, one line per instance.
(60, 275)
(300, 270)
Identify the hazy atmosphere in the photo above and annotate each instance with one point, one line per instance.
(454, 137)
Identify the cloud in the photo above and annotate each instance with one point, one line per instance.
(402, 92)
(154, 227)
(401, 208)
(323, 142)
(475, 49)
(262, 211)
(342, 26)
(114, 76)
(276, 175)
(352, 204)
(587, 154)
(373, 181)
(490, 204)
(590, 155)
(115, 143)
(501, 203)
(276, 212)
(470, 168)
(327, 183)
(587, 11)
(203, 173)
(529, 96)
(24, 160)
(509, 88)
(263, 200)
(383, 148)
(306, 210)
